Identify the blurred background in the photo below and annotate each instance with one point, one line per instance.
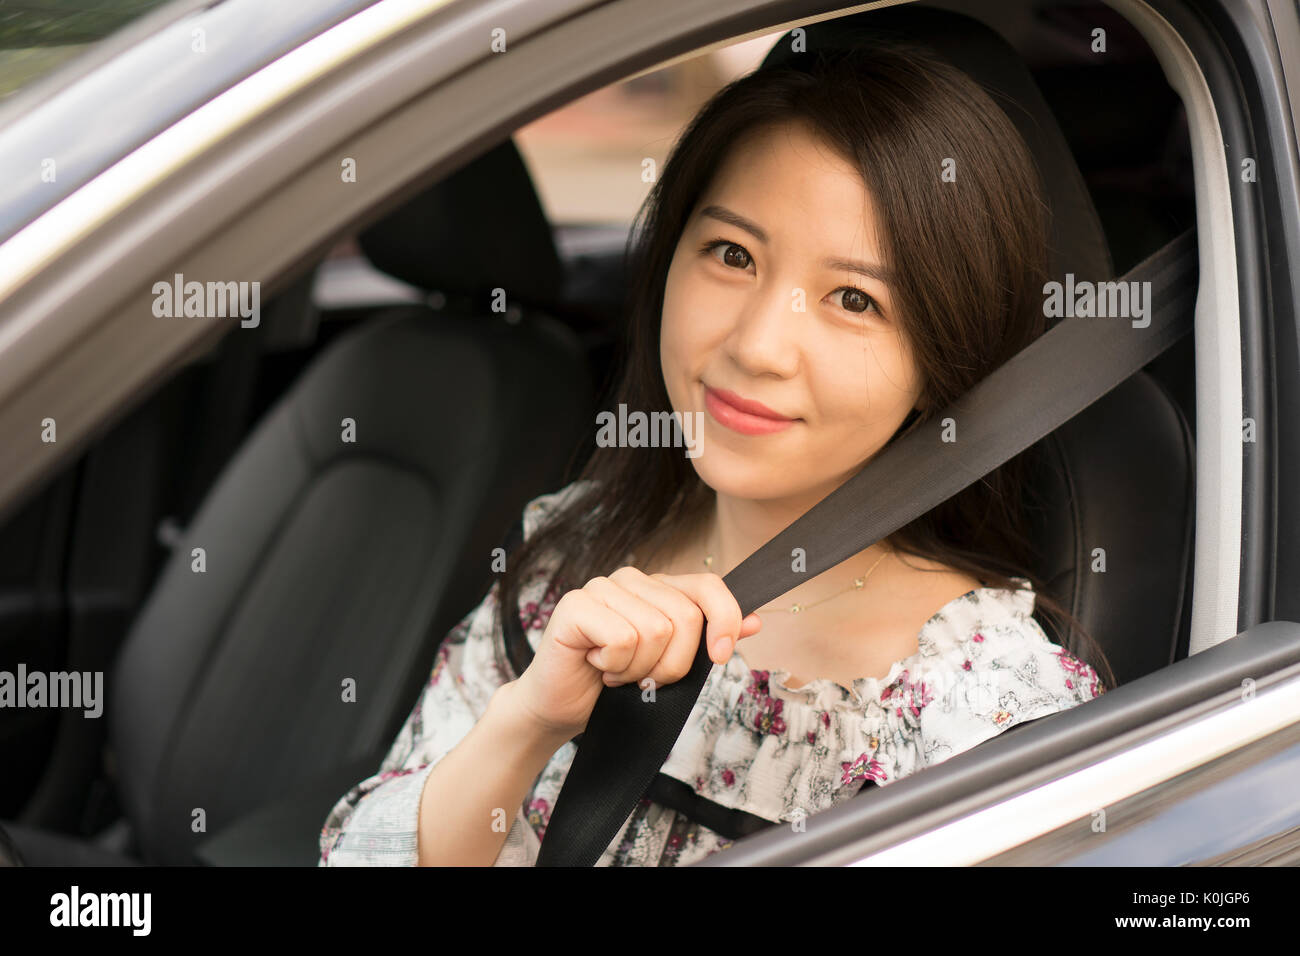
(586, 158)
(36, 36)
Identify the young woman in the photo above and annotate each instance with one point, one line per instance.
(834, 252)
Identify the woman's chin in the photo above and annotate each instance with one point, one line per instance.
(739, 479)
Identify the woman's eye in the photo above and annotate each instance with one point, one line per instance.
(855, 300)
(737, 257)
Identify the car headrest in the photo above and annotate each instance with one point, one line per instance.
(480, 228)
(1077, 242)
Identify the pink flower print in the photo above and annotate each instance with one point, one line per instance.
(444, 653)
(769, 719)
(978, 638)
(390, 774)
(825, 719)
(1001, 717)
(907, 695)
(729, 777)
(539, 815)
(536, 614)
(758, 684)
(531, 617)
(921, 695)
(965, 665)
(1073, 665)
(865, 767)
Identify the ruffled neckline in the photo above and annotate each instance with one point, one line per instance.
(754, 743)
(830, 693)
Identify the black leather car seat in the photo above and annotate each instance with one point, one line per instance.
(350, 532)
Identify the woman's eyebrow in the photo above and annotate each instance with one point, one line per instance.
(869, 269)
(723, 214)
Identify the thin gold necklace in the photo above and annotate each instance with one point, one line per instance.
(797, 608)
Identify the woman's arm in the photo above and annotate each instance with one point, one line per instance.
(471, 798)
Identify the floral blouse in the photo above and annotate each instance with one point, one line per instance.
(751, 743)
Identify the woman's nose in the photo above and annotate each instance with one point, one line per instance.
(764, 336)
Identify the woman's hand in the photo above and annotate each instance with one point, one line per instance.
(625, 628)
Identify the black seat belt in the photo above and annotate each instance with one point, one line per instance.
(1055, 377)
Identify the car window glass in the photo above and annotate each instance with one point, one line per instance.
(580, 155)
(36, 41)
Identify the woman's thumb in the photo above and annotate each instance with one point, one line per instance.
(725, 645)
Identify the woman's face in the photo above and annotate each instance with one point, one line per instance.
(769, 315)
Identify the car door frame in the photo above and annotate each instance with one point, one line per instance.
(210, 196)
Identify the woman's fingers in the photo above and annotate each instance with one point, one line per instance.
(651, 625)
(607, 638)
(674, 657)
(624, 593)
(718, 605)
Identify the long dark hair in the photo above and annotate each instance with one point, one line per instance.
(971, 263)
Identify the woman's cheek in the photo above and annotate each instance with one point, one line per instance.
(683, 341)
(673, 352)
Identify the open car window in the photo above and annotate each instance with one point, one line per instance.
(1133, 118)
(38, 38)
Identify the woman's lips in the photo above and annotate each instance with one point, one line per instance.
(744, 422)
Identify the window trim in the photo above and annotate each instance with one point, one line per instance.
(1190, 748)
(81, 348)
(1217, 556)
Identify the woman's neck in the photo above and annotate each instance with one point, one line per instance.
(731, 529)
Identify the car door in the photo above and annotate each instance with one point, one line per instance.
(248, 184)
(80, 552)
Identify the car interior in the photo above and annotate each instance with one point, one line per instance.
(225, 740)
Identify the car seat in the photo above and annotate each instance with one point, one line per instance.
(350, 532)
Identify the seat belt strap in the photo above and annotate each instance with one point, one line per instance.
(1083, 357)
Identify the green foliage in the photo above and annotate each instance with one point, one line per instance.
(37, 23)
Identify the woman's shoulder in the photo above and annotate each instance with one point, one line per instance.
(994, 666)
(544, 507)
(992, 630)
